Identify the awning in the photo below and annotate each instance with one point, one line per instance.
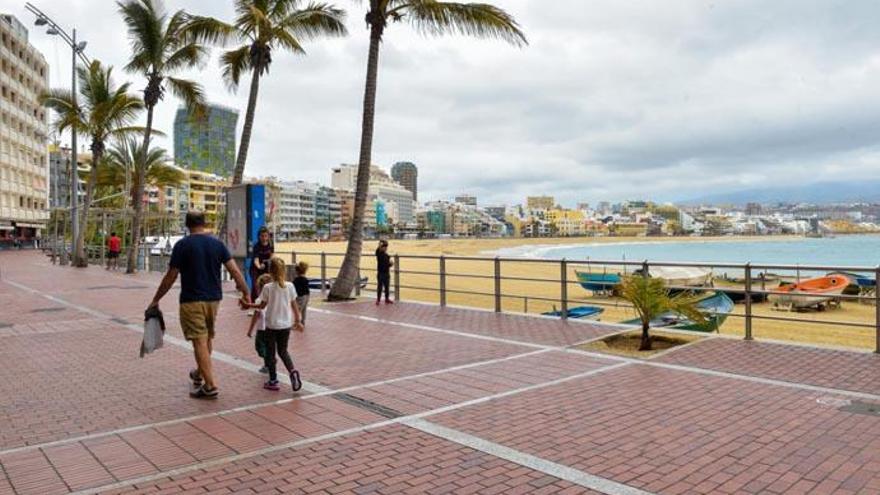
(30, 225)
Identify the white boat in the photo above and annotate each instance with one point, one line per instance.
(682, 276)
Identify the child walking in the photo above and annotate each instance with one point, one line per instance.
(278, 301)
(301, 284)
(258, 322)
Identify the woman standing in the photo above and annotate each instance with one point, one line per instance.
(262, 253)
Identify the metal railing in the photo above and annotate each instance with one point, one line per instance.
(494, 272)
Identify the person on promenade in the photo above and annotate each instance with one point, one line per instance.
(258, 321)
(278, 301)
(301, 284)
(262, 252)
(198, 258)
(114, 247)
(383, 272)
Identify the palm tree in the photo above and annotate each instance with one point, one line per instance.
(651, 299)
(122, 161)
(260, 26)
(430, 17)
(103, 111)
(160, 47)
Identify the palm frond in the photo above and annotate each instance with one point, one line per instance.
(314, 21)
(235, 63)
(190, 92)
(145, 21)
(210, 30)
(188, 56)
(434, 17)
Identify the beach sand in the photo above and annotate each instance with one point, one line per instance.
(471, 283)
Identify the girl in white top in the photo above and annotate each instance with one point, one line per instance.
(277, 300)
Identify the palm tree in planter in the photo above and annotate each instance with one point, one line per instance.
(430, 17)
(103, 111)
(651, 299)
(260, 27)
(160, 48)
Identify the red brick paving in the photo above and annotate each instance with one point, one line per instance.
(679, 432)
(666, 431)
(394, 459)
(843, 370)
(543, 331)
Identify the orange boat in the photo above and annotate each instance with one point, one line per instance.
(811, 292)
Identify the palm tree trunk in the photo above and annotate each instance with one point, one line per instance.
(238, 174)
(80, 259)
(348, 272)
(645, 344)
(138, 199)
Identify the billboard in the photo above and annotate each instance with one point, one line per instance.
(237, 221)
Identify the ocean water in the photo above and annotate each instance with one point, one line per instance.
(855, 250)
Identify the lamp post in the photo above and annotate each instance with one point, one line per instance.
(77, 49)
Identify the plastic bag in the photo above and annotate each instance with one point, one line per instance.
(154, 331)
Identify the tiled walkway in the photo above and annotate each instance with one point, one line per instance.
(410, 398)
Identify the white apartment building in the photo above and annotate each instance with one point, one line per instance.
(382, 186)
(306, 206)
(24, 169)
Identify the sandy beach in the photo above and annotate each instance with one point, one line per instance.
(470, 283)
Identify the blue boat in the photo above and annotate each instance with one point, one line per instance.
(598, 282)
(578, 312)
(716, 307)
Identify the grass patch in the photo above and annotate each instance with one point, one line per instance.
(627, 344)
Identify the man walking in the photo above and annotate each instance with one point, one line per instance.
(198, 258)
(114, 247)
(383, 272)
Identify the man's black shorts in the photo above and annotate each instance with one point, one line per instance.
(113, 254)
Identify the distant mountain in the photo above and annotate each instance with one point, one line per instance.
(818, 193)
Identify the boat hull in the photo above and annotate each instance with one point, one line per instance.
(809, 293)
(579, 312)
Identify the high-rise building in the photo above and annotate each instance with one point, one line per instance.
(24, 171)
(206, 143)
(382, 186)
(540, 202)
(407, 175)
(466, 199)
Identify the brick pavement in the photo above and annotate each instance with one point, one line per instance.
(511, 414)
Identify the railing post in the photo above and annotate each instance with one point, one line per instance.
(877, 310)
(442, 281)
(563, 293)
(748, 300)
(645, 271)
(293, 258)
(396, 278)
(323, 275)
(497, 285)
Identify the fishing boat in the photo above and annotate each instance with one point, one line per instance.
(735, 287)
(682, 276)
(578, 312)
(859, 283)
(812, 292)
(716, 306)
(315, 283)
(602, 283)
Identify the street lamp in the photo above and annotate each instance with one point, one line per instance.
(77, 50)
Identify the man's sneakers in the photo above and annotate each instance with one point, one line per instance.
(272, 385)
(264, 370)
(203, 392)
(295, 381)
(389, 301)
(196, 378)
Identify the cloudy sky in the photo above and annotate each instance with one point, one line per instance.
(613, 99)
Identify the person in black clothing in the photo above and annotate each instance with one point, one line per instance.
(383, 272)
(301, 284)
(262, 253)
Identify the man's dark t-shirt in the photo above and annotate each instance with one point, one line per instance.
(383, 261)
(198, 258)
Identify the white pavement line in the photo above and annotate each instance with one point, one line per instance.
(219, 356)
(372, 426)
(766, 381)
(436, 329)
(251, 407)
(539, 464)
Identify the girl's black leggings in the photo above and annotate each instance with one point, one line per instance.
(276, 342)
